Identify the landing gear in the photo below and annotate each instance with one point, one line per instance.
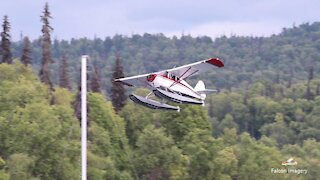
(145, 101)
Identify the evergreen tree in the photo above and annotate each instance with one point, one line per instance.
(26, 58)
(64, 80)
(95, 81)
(77, 105)
(46, 48)
(5, 42)
(117, 91)
(308, 94)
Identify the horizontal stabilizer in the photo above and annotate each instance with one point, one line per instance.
(208, 91)
(201, 89)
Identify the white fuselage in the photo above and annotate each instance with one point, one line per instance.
(180, 86)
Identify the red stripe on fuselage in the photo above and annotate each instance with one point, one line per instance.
(178, 82)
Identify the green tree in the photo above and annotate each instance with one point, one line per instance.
(104, 168)
(6, 42)
(226, 105)
(29, 125)
(312, 155)
(255, 159)
(226, 163)
(103, 115)
(3, 174)
(117, 91)
(227, 122)
(229, 136)
(18, 87)
(95, 82)
(64, 79)
(19, 166)
(26, 58)
(263, 111)
(46, 48)
(137, 118)
(157, 157)
(205, 156)
(279, 131)
(190, 118)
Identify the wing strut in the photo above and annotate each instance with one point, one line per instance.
(176, 82)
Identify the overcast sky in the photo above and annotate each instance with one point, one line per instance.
(101, 18)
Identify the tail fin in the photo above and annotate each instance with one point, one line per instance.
(201, 88)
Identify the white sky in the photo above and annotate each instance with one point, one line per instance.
(101, 18)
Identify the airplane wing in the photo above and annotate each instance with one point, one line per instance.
(182, 72)
(139, 80)
(189, 70)
(290, 160)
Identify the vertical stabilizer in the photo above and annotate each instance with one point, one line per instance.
(201, 88)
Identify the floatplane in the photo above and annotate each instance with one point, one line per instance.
(170, 85)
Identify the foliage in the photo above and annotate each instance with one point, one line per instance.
(107, 133)
(137, 121)
(283, 59)
(156, 156)
(266, 112)
(45, 135)
(19, 166)
(188, 120)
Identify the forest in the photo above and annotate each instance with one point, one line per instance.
(267, 111)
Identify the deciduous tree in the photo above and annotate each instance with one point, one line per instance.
(157, 157)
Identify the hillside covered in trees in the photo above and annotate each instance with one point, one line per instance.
(284, 58)
(267, 111)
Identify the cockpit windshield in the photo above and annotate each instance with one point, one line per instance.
(171, 76)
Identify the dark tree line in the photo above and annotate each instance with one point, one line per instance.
(248, 59)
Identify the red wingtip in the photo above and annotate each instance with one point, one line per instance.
(216, 62)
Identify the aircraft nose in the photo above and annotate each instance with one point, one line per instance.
(151, 77)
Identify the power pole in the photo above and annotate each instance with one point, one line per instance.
(84, 59)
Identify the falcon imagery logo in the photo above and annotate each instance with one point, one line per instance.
(289, 163)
